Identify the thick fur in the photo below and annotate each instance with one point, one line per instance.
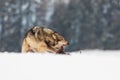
(40, 39)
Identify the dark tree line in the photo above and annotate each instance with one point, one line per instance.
(90, 24)
(86, 24)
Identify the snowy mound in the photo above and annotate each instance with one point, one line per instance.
(88, 65)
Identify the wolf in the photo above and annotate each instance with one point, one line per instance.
(41, 39)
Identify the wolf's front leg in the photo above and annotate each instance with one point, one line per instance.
(25, 47)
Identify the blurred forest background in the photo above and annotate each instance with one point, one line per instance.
(86, 24)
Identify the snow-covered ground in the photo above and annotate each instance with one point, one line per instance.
(89, 65)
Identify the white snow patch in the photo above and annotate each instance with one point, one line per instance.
(105, 8)
(25, 6)
(38, 1)
(33, 17)
(50, 11)
(6, 3)
(5, 18)
(89, 65)
(66, 1)
(24, 21)
(0, 28)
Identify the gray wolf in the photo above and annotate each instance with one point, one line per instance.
(41, 39)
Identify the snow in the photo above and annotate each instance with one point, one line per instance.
(88, 65)
(24, 20)
(5, 18)
(38, 1)
(33, 17)
(25, 6)
(50, 10)
(6, 3)
(66, 1)
(0, 28)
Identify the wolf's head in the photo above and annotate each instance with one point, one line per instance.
(51, 37)
(60, 41)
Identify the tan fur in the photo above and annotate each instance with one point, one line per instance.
(40, 39)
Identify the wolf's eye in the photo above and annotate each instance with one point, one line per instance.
(50, 43)
(59, 39)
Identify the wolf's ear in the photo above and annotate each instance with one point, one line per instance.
(35, 28)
